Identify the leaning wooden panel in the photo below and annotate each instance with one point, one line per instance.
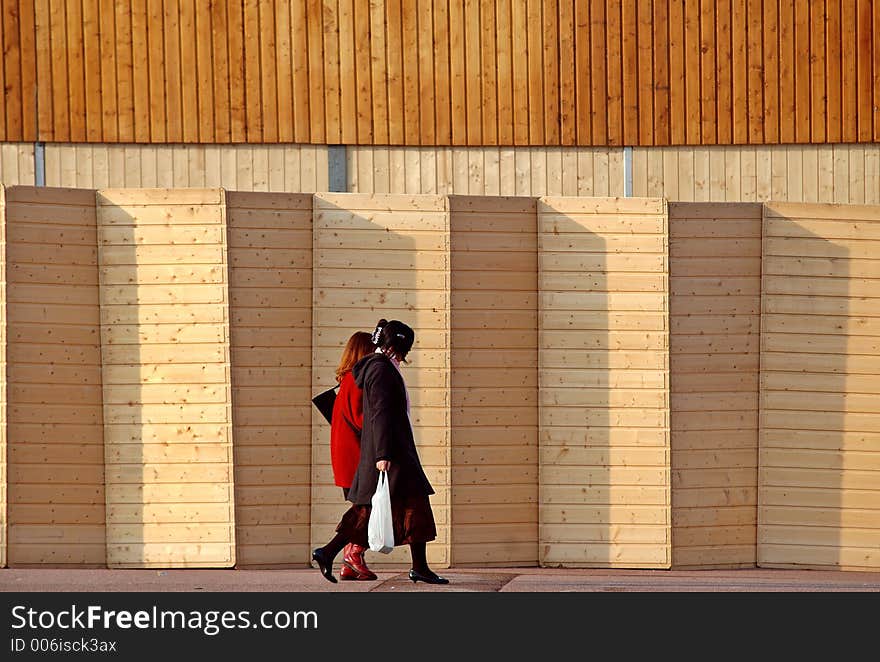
(584, 433)
(271, 384)
(494, 254)
(55, 436)
(384, 256)
(819, 459)
(714, 393)
(193, 415)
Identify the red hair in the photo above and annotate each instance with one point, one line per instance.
(357, 347)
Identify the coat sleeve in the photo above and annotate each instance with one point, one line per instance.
(356, 405)
(383, 390)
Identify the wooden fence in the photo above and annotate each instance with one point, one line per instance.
(584, 383)
(494, 320)
(270, 298)
(819, 505)
(55, 431)
(445, 72)
(715, 292)
(604, 382)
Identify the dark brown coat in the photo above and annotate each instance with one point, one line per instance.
(386, 435)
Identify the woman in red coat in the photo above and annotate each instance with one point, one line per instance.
(345, 441)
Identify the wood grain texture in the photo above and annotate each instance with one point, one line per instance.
(494, 431)
(53, 339)
(270, 383)
(181, 412)
(443, 73)
(818, 422)
(714, 410)
(608, 392)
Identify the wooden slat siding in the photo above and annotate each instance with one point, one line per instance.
(817, 490)
(692, 63)
(714, 383)
(603, 364)
(53, 340)
(488, 171)
(772, 73)
(848, 181)
(646, 73)
(709, 84)
(817, 72)
(400, 270)
(410, 68)
(426, 56)
(268, 72)
(17, 164)
(494, 404)
(4, 421)
(270, 288)
(295, 168)
(166, 377)
(347, 86)
(504, 57)
(189, 71)
(614, 72)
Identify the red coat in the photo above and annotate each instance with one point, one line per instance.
(345, 440)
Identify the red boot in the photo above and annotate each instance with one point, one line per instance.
(353, 559)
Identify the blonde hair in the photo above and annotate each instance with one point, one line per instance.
(357, 347)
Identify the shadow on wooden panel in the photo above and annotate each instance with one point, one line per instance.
(715, 289)
(384, 256)
(270, 284)
(494, 389)
(820, 422)
(55, 444)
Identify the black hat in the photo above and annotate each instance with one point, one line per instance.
(398, 336)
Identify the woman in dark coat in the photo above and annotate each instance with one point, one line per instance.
(387, 444)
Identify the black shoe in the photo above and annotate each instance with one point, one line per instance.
(326, 567)
(428, 577)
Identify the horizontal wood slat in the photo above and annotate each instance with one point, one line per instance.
(819, 412)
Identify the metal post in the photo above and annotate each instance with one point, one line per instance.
(336, 165)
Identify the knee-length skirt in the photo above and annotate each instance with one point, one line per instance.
(412, 518)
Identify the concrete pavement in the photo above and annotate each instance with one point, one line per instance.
(307, 580)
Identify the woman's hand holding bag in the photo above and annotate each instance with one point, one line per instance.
(380, 530)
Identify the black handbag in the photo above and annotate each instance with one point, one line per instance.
(324, 402)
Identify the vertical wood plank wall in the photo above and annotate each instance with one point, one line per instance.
(839, 173)
(285, 168)
(819, 503)
(3, 382)
(384, 256)
(604, 383)
(494, 381)
(792, 173)
(520, 171)
(715, 299)
(55, 441)
(270, 291)
(17, 164)
(537, 72)
(166, 378)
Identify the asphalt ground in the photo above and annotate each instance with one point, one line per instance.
(474, 580)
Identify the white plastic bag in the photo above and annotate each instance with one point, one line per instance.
(380, 530)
